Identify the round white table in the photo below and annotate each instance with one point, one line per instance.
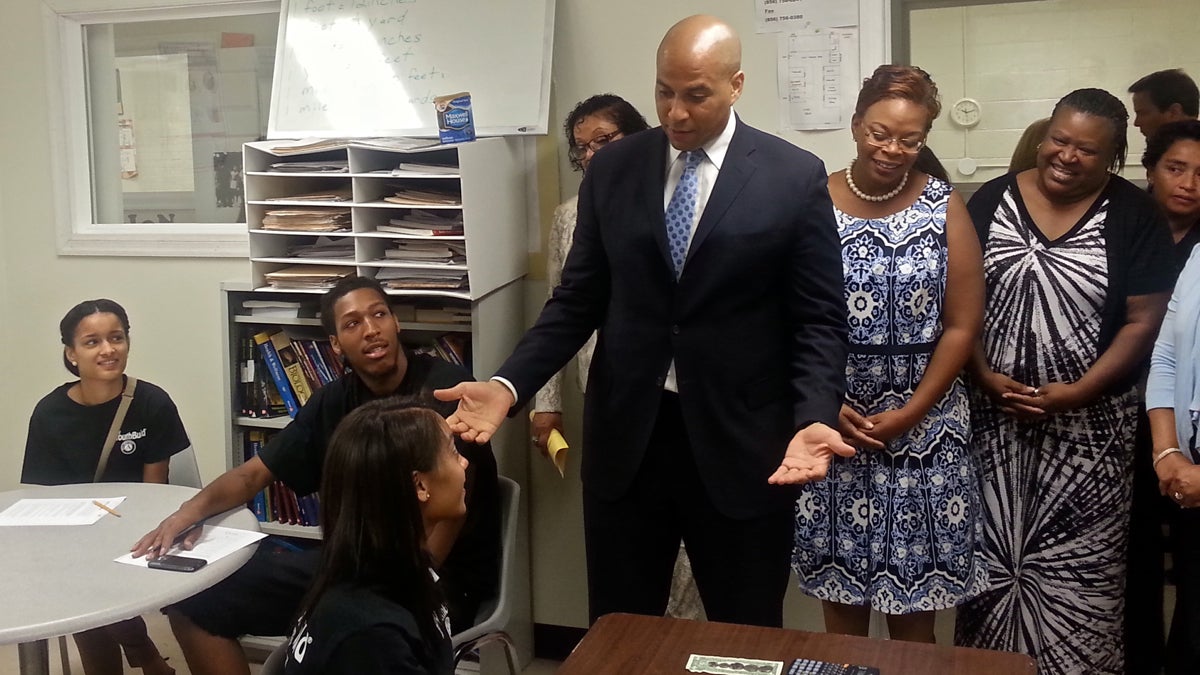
(62, 579)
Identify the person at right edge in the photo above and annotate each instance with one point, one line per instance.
(1172, 161)
(707, 256)
(1160, 99)
(1077, 263)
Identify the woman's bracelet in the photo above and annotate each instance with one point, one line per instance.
(1159, 457)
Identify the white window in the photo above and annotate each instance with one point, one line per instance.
(156, 98)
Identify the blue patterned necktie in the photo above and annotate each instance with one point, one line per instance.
(681, 210)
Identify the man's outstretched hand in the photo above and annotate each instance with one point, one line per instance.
(809, 454)
(482, 406)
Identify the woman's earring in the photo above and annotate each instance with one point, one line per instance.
(74, 363)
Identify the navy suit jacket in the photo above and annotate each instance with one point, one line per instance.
(756, 323)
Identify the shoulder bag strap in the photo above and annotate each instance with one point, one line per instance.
(126, 399)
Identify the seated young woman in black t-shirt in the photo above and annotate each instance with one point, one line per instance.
(391, 474)
(66, 432)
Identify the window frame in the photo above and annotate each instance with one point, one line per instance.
(77, 233)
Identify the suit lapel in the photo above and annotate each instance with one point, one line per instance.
(654, 183)
(735, 171)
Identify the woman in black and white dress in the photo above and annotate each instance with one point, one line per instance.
(1078, 272)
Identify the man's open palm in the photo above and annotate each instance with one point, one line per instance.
(482, 406)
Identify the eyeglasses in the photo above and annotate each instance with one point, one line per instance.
(908, 145)
(577, 152)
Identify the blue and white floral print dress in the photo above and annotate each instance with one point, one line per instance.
(897, 529)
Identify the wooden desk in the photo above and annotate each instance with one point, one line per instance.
(626, 644)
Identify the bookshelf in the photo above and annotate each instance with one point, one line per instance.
(491, 179)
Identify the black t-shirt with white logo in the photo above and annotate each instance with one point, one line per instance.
(355, 630)
(63, 445)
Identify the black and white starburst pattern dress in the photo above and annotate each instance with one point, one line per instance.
(1056, 492)
(899, 529)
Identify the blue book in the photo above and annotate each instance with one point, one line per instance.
(275, 367)
(258, 505)
(314, 354)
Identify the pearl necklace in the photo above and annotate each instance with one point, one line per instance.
(872, 198)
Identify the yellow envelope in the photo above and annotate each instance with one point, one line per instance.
(557, 446)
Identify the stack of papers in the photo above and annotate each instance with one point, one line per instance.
(276, 308)
(442, 315)
(307, 220)
(307, 276)
(437, 169)
(426, 196)
(284, 148)
(430, 279)
(330, 166)
(427, 252)
(327, 196)
(308, 145)
(396, 143)
(324, 247)
(422, 223)
(27, 512)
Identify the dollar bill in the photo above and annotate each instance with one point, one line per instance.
(732, 665)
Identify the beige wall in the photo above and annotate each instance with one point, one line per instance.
(1017, 60)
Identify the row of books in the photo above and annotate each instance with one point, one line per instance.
(279, 503)
(297, 367)
(452, 347)
(280, 373)
(260, 398)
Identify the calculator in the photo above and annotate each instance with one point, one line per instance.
(811, 667)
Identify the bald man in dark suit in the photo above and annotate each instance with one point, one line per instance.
(706, 254)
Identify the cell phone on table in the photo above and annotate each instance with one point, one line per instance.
(177, 563)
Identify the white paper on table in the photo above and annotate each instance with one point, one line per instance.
(27, 512)
(214, 543)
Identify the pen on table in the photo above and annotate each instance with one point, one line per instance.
(104, 506)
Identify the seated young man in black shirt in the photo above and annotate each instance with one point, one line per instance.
(263, 596)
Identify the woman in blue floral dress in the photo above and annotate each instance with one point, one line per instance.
(897, 527)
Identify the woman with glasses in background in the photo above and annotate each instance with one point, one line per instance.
(1078, 268)
(896, 527)
(593, 123)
